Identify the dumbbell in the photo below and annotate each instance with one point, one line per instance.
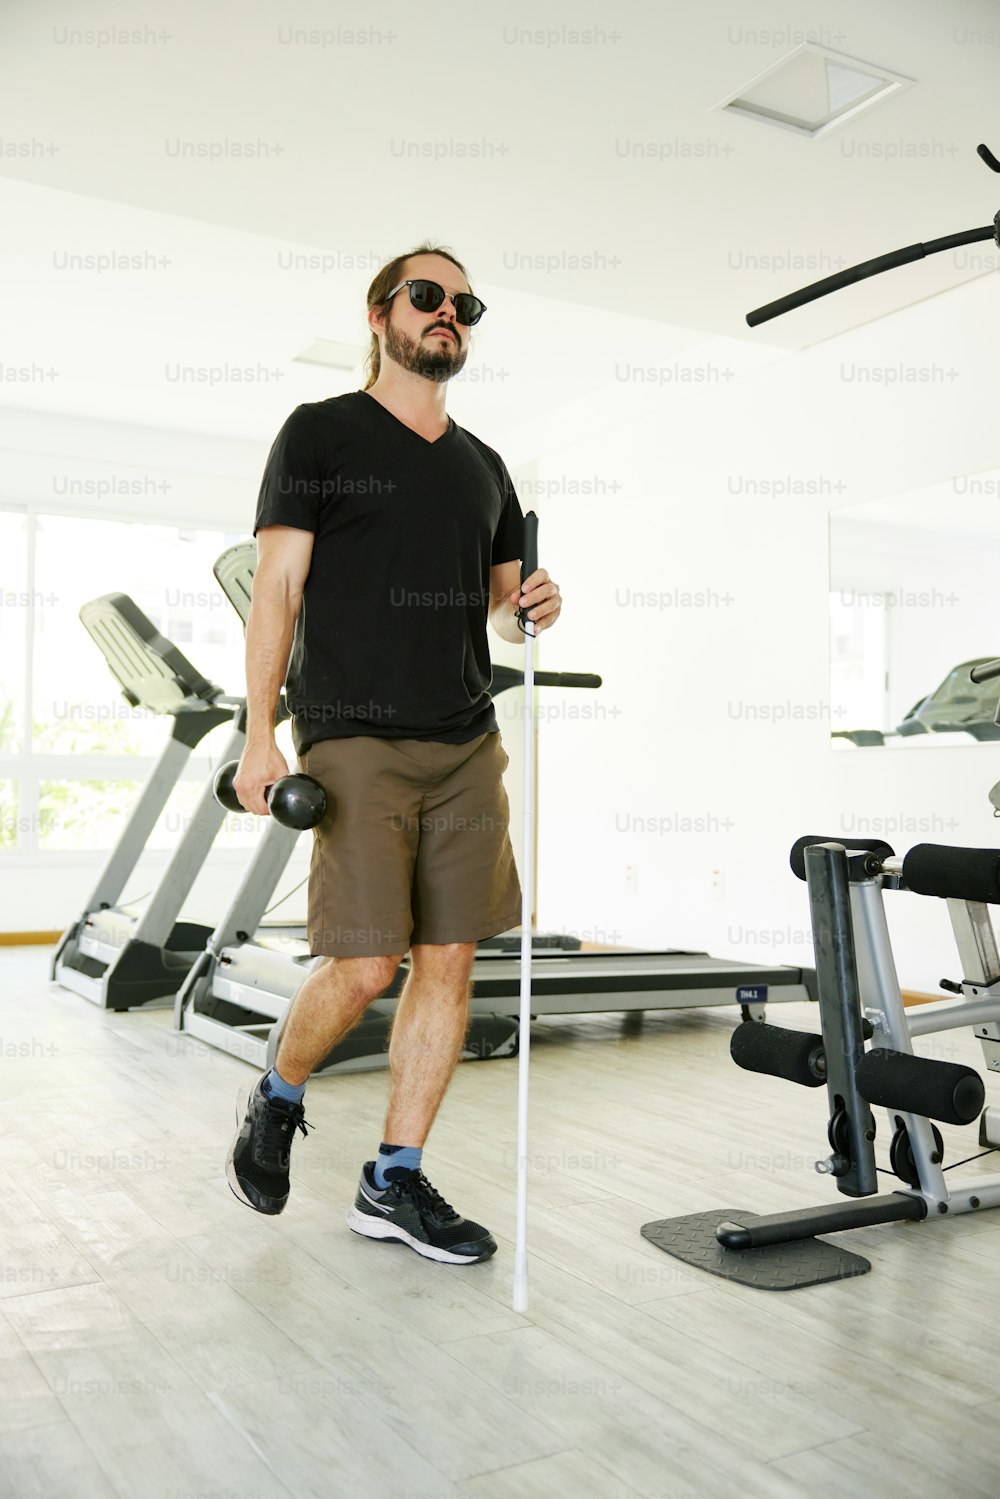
(296, 801)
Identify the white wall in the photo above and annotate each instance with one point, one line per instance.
(684, 681)
(73, 463)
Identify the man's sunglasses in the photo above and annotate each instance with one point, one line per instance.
(427, 296)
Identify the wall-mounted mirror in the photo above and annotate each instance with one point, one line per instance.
(913, 606)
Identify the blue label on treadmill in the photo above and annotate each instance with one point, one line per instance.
(752, 994)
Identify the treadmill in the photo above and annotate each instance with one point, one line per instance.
(118, 956)
(239, 997)
(238, 993)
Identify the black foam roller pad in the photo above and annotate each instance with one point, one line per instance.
(954, 873)
(919, 1085)
(794, 1055)
(797, 857)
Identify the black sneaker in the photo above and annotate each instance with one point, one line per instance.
(257, 1166)
(410, 1210)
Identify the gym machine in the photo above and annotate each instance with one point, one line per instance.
(118, 956)
(952, 708)
(859, 1003)
(239, 990)
(882, 263)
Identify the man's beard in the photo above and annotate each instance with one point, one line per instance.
(434, 364)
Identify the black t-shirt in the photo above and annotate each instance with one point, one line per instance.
(391, 638)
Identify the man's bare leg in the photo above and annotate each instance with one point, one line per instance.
(329, 1003)
(430, 1024)
(431, 1019)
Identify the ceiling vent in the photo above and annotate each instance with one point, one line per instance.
(813, 91)
(334, 355)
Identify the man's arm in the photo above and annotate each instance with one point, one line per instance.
(504, 578)
(284, 556)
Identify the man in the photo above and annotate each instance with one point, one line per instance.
(387, 536)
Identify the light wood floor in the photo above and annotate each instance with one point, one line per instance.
(160, 1341)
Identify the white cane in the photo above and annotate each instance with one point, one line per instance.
(529, 563)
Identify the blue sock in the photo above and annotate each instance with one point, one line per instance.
(275, 1087)
(393, 1160)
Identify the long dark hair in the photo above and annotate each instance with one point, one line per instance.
(389, 276)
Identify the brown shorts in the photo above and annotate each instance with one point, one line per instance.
(414, 846)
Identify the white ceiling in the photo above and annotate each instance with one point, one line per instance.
(206, 341)
(685, 245)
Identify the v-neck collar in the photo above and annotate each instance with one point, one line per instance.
(427, 442)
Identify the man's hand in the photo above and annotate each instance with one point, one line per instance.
(541, 598)
(260, 765)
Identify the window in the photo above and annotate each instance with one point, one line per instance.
(15, 617)
(73, 751)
